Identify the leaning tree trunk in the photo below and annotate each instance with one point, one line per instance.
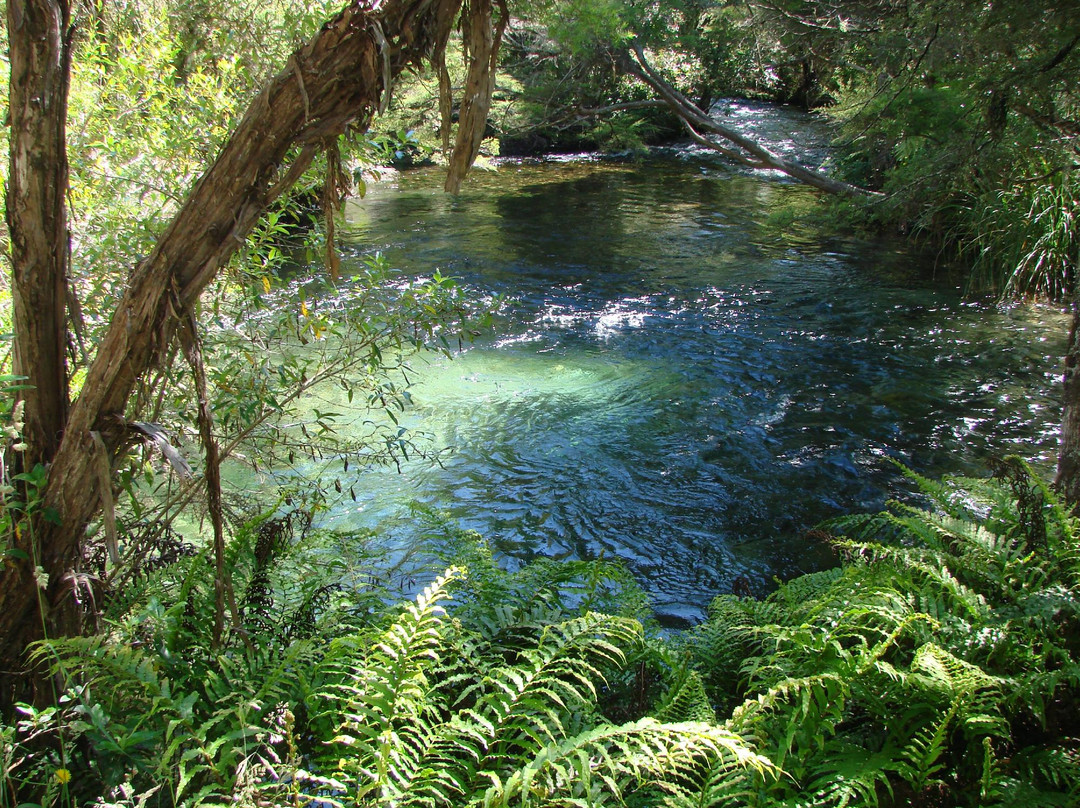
(337, 79)
(702, 126)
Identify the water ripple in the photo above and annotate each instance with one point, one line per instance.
(691, 374)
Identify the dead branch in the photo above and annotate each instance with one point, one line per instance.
(700, 121)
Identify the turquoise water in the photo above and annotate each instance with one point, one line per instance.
(691, 372)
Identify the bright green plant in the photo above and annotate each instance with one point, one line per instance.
(35, 749)
(1026, 238)
(938, 663)
(926, 665)
(164, 713)
(320, 689)
(400, 149)
(435, 717)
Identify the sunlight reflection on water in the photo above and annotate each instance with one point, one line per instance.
(691, 373)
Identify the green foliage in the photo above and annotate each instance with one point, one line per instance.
(400, 149)
(585, 25)
(435, 716)
(1024, 240)
(965, 115)
(564, 57)
(34, 752)
(937, 664)
(165, 710)
(155, 89)
(320, 690)
(921, 665)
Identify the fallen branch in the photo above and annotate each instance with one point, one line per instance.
(698, 121)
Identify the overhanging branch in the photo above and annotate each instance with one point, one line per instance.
(338, 79)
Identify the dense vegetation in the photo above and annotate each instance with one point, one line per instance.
(965, 114)
(936, 665)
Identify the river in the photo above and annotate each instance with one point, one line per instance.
(693, 370)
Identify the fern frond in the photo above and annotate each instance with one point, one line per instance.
(796, 715)
(796, 593)
(617, 760)
(382, 694)
(717, 786)
(936, 669)
(922, 754)
(102, 661)
(523, 702)
(685, 699)
(849, 775)
(1057, 768)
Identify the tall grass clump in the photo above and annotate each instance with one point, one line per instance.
(1025, 239)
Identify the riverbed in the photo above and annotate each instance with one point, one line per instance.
(692, 370)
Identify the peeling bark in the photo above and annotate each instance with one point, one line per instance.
(337, 80)
(483, 47)
(39, 34)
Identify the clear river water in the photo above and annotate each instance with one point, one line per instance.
(692, 371)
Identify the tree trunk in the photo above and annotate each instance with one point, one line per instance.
(38, 38)
(1067, 481)
(37, 217)
(335, 80)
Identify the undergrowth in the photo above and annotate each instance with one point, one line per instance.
(936, 666)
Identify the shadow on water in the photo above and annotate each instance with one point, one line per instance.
(691, 374)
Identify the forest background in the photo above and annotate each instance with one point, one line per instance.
(154, 176)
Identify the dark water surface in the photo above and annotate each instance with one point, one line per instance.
(691, 374)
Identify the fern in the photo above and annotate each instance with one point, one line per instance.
(948, 631)
(925, 749)
(685, 699)
(849, 775)
(607, 762)
(139, 718)
(411, 740)
(382, 695)
(1056, 767)
(938, 664)
(794, 718)
(437, 715)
